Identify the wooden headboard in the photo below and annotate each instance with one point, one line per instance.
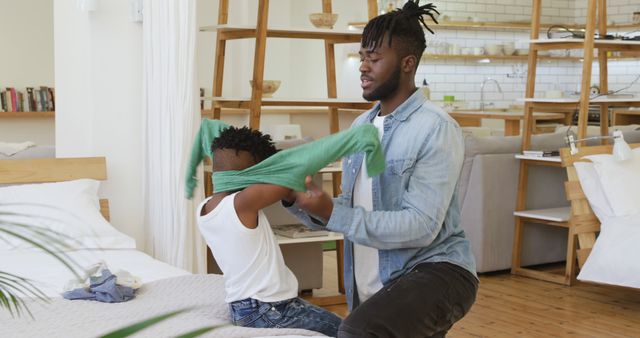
(584, 224)
(44, 170)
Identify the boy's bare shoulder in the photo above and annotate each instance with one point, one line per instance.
(211, 204)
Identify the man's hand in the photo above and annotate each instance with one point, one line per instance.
(314, 201)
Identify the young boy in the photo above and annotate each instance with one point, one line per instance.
(261, 290)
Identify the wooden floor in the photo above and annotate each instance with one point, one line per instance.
(511, 306)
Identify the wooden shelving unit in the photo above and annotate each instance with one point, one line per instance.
(254, 104)
(27, 114)
(260, 32)
(596, 14)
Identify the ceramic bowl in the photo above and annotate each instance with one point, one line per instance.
(268, 87)
(509, 48)
(323, 20)
(493, 49)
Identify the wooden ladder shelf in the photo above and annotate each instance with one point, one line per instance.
(596, 20)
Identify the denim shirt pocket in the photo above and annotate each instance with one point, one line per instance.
(396, 180)
(401, 167)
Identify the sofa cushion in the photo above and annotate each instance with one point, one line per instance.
(474, 146)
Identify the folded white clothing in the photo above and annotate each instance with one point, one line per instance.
(123, 277)
(11, 149)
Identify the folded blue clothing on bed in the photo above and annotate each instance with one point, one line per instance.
(102, 288)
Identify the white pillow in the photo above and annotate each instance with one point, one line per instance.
(71, 208)
(620, 181)
(614, 257)
(592, 188)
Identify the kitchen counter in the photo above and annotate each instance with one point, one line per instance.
(511, 119)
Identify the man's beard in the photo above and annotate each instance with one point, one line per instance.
(387, 89)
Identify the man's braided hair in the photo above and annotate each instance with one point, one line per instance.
(403, 24)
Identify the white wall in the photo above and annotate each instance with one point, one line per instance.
(26, 60)
(98, 62)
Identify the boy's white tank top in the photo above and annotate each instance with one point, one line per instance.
(250, 259)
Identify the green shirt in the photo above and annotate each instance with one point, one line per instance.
(290, 167)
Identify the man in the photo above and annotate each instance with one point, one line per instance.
(409, 271)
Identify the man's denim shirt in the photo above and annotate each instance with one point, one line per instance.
(416, 215)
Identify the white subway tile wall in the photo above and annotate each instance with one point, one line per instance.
(463, 78)
(556, 11)
(618, 11)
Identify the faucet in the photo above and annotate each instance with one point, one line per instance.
(482, 104)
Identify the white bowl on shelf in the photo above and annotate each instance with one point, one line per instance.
(494, 49)
(268, 87)
(323, 20)
(509, 48)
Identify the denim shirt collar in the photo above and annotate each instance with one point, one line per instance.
(404, 110)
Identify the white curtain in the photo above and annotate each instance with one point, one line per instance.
(171, 110)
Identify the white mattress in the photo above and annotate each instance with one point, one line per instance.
(51, 276)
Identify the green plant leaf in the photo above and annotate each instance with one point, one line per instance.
(13, 288)
(60, 256)
(131, 329)
(199, 332)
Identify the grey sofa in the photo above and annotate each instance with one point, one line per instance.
(487, 194)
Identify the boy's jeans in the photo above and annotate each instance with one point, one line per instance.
(290, 313)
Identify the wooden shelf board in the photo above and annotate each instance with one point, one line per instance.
(551, 214)
(290, 111)
(553, 159)
(523, 58)
(27, 114)
(548, 276)
(544, 44)
(599, 100)
(511, 115)
(229, 102)
(487, 57)
(498, 57)
(503, 25)
(230, 32)
(332, 236)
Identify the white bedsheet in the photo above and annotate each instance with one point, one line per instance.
(203, 294)
(51, 276)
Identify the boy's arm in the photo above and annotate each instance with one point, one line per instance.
(255, 197)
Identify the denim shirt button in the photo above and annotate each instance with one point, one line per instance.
(353, 171)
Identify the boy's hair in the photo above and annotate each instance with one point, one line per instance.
(402, 24)
(257, 144)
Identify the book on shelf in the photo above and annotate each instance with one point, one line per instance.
(297, 231)
(541, 153)
(29, 100)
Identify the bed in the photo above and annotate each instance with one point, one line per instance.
(165, 288)
(605, 215)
